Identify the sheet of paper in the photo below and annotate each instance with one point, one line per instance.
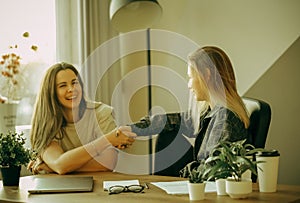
(180, 187)
(107, 184)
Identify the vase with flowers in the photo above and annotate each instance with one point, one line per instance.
(12, 85)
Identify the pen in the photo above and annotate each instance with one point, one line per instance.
(146, 186)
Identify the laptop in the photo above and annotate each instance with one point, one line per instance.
(61, 184)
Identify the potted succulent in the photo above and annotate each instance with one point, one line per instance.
(231, 160)
(13, 154)
(196, 172)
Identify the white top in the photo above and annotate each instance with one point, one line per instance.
(97, 120)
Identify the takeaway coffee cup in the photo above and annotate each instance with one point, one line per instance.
(268, 170)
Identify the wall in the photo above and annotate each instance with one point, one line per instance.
(279, 86)
(254, 33)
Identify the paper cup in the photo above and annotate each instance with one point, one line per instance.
(268, 170)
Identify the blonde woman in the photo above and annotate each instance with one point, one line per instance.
(216, 110)
(70, 133)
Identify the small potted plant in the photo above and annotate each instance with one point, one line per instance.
(13, 154)
(196, 172)
(219, 176)
(231, 160)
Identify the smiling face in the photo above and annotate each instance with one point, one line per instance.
(68, 89)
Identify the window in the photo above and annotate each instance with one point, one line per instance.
(38, 18)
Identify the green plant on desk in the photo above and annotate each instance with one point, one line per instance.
(13, 155)
(12, 150)
(195, 171)
(231, 159)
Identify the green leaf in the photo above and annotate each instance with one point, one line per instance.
(12, 150)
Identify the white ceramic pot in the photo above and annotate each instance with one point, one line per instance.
(221, 186)
(8, 116)
(247, 175)
(196, 191)
(238, 190)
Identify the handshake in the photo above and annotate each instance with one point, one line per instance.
(124, 137)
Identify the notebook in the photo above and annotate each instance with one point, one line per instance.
(61, 184)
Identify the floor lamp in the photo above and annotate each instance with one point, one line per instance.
(129, 15)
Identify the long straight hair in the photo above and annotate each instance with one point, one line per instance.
(221, 85)
(48, 120)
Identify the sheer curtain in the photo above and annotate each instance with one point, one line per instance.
(83, 29)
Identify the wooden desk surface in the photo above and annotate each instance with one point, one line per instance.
(285, 193)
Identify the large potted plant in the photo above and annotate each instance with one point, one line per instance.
(13, 154)
(231, 160)
(196, 172)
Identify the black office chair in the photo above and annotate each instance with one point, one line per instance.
(260, 118)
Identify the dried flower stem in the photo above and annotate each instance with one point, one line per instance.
(11, 68)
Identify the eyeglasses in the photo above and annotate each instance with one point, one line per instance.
(131, 188)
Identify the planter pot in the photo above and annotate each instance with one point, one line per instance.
(247, 175)
(11, 175)
(8, 116)
(238, 190)
(221, 186)
(196, 191)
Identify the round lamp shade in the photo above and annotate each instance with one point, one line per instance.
(129, 15)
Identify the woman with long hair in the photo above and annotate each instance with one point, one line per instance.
(216, 111)
(70, 133)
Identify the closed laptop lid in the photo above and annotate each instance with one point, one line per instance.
(61, 184)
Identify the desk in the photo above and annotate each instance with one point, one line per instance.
(285, 193)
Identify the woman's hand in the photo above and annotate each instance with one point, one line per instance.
(38, 166)
(121, 138)
(126, 129)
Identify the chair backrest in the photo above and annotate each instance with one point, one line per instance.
(260, 118)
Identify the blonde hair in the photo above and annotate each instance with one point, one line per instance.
(48, 120)
(221, 85)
